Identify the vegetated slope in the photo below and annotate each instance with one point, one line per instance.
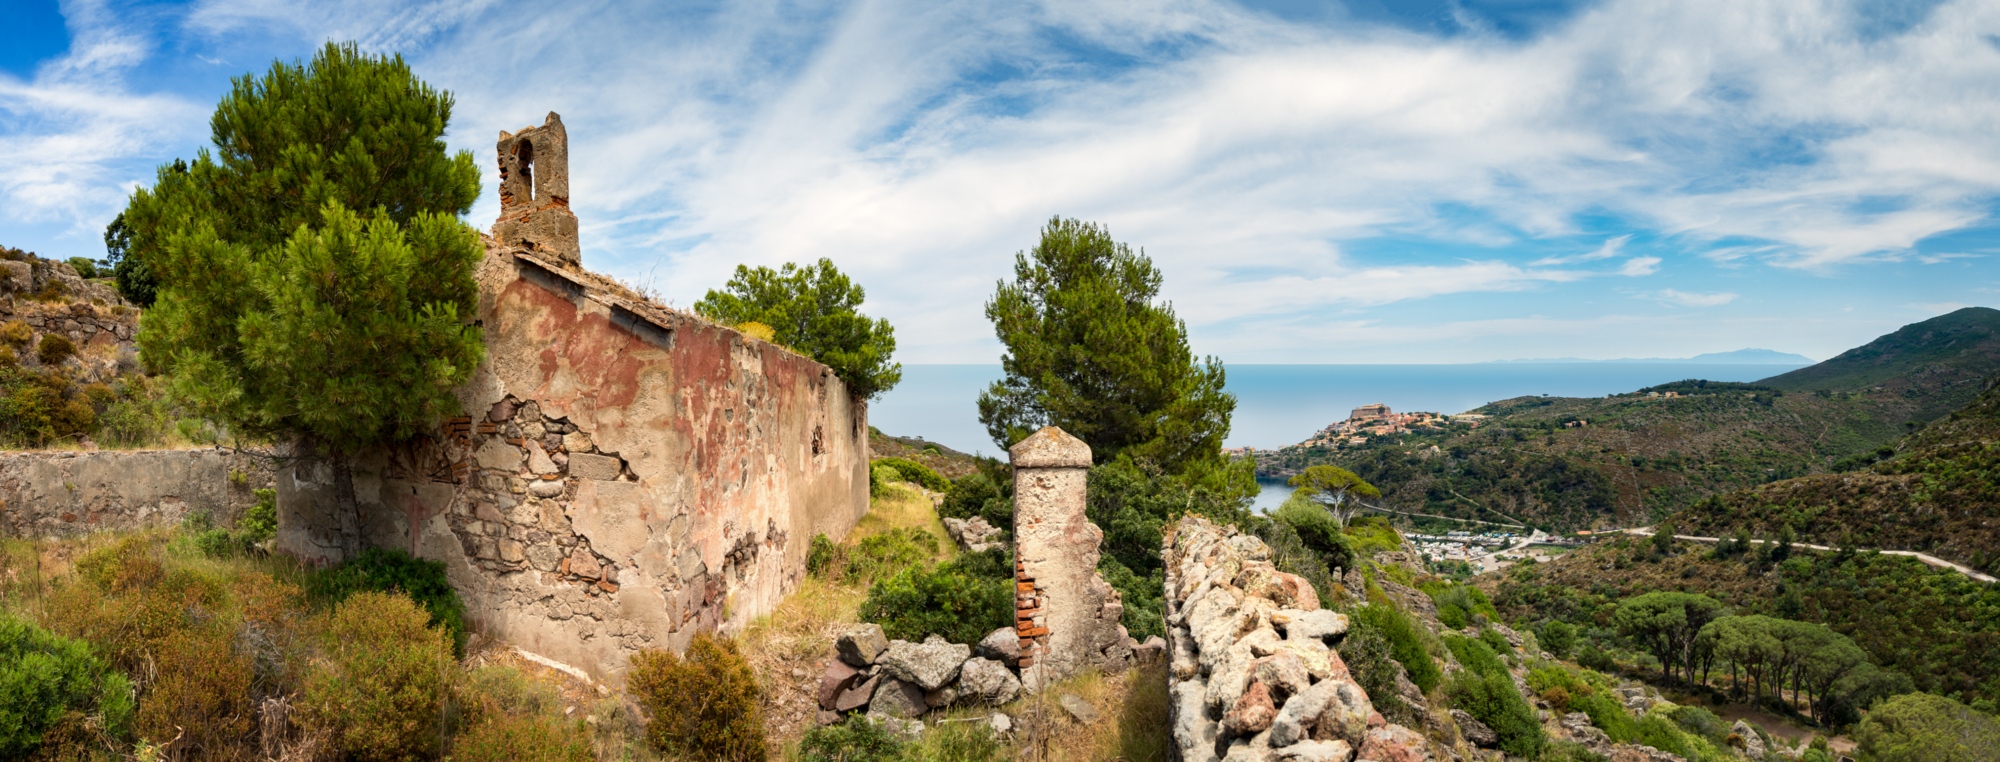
(944, 460)
(1944, 357)
(1937, 491)
(1938, 626)
(1566, 463)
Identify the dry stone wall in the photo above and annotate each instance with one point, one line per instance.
(48, 298)
(69, 494)
(1256, 672)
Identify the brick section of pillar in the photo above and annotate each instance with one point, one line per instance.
(1066, 615)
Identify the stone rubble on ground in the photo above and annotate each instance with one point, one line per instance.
(974, 535)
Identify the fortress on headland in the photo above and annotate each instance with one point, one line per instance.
(626, 474)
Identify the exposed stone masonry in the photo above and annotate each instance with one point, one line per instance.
(1256, 674)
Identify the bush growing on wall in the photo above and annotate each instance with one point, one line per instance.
(54, 348)
(702, 707)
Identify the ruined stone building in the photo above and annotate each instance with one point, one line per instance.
(626, 475)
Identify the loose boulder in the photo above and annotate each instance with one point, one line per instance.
(861, 644)
(930, 664)
(986, 681)
(1002, 645)
(1475, 731)
(896, 698)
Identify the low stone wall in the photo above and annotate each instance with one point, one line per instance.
(68, 494)
(1256, 672)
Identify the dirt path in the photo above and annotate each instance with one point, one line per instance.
(1778, 727)
(1924, 557)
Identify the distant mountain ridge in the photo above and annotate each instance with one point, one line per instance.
(1629, 459)
(1738, 357)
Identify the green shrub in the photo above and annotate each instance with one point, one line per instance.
(85, 267)
(523, 738)
(1367, 655)
(1291, 554)
(54, 348)
(1923, 726)
(962, 599)
(916, 473)
(880, 479)
(857, 739)
(1144, 597)
(1492, 700)
(1703, 723)
(1496, 641)
(986, 493)
(824, 557)
(1318, 529)
(381, 570)
(200, 693)
(1406, 646)
(1569, 751)
(888, 553)
(1558, 637)
(1475, 655)
(1373, 534)
(380, 685)
(1460, 606)
(705, 706)
(45, 677)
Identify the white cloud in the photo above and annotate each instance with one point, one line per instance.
(1609, 249)
(919, 144)
(1640, 266)
(74, 128)
(1688, 299)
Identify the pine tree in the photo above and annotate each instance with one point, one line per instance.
(314, 279)
(1090, 350)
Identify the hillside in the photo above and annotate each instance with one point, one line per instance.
(1939, 492)
(1623, 460)
(1935, 626)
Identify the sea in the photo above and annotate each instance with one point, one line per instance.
(1278, 405)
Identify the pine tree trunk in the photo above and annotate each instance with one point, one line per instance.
(347, 508)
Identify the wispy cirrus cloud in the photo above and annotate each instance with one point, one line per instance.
(1688, 299)
(1275, 169)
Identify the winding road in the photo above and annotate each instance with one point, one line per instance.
(1924, 557)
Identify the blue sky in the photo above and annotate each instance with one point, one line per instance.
(1374, 182)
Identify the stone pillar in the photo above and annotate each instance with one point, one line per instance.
(1065, 614)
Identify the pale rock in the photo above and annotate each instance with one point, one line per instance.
(1319, 624)
(1256, 748)
(896, 698)
(1314, 751)
(861, 644)
(1753, 744)
(576, 442)
(538, 461)
(1347, 715)
(942, 697)
(1296, 719)
(512, 551)
(1282, 673)
(497, 455)
(544, 557)
(1078, 709)
(1002, 645)
(1001, 724)
(929, 665)
(546, 488)
(589, 466)
(1475, 731)
(1194, 732)
(989, 682)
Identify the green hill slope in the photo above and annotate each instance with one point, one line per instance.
(1568, 463)
(1937, 492)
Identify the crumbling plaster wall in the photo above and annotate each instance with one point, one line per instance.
(613, 489)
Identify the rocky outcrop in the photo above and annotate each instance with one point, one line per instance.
(1256, 673)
